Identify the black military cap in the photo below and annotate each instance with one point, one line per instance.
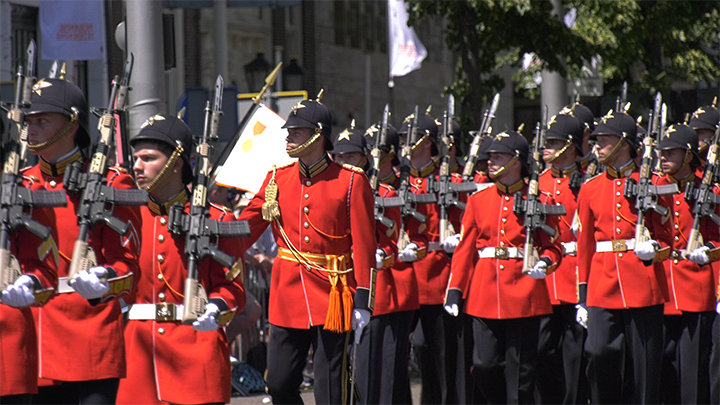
(392, 140)
(706, 117)
(426, 126)
(484, 145)
(566, 127)
(510, 143)
(350, 140)
(584, 115)
(311, 114)
(61, 97)
(455, 136)
(168, 130)
(620, 125)
(679, 136)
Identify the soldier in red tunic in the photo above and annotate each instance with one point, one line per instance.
(166, 360)
(487, 280)
(561, 370)
(690, 311)
(626, 285)
(323, 279)
(382, 357)
(80, 341)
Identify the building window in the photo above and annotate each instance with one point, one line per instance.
(361, 24)
(24, 29)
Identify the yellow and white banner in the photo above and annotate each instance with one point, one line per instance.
(260, 146)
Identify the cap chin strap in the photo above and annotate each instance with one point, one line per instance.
(421, 140)
(494, 175)
(557, 154)
(613, 152)
(58, 136)
(296, 151)
(166, 169)
(389, 155)
(702, 152)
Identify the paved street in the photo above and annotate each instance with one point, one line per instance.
(310, 400)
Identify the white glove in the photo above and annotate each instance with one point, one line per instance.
(451, 242)
(409, 254)
(379, 259)
(538, 270)
(20, 294)
(646, 250)
(208, 321)
(452, 309)
(582, 315)
(717, 308)
(360, 319)
(88, 283)
(700, 255)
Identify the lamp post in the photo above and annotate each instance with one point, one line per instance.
(256, 71)
(293, 76)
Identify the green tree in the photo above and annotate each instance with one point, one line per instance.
(651, 44)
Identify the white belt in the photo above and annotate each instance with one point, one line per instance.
(434, 246)
(63, 286)
(621, 245)
(156, 312)
(501, 253)
(569, 248)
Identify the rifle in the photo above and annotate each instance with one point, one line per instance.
(123, 152)
(485, 129)
(644, 192)
(705, 199)
(410, 199)
(98, 200)
(382, 202)
(52, 74)
(14, 198)
(622, 99)
(535, 211)
(447, 191)
(202, 234)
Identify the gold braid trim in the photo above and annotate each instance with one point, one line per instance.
(170, 163)
(61, 134)
(294, 152)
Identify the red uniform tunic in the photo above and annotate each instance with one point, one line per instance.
(79, 341)
(326, 210)
(691, 286)
(168, 361)
(618, 280)
(495, 288)
(397, 288)
(18, 337)
(563, 282)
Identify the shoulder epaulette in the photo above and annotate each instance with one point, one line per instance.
(490, 185)
(32, 179)
(222, 208)
(353, 168)
(546, 169)
(288, 164)
(593, 177)
(118, 169)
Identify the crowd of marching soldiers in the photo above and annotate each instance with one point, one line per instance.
(593, 279)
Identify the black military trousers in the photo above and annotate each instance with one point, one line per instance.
(504, 358)
(561, 366)
(382, 359)
(79, 392)
(686, 360)
(715, 363)
(287, 353)
(624, 349)
(436, 350)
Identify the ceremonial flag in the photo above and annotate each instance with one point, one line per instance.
(406, 50)
(72, 29)
(260, 146)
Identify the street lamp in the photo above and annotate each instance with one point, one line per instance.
(293, 76)
(256, 71)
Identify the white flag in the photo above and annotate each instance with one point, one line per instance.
(406, 50)
(72, 29)
(260, 146)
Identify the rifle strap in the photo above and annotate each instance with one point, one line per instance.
(61, 134)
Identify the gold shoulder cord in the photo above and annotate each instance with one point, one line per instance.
(336, 271)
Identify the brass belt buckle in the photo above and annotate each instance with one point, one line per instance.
(501, 253)
(165, 312)
(619, 246)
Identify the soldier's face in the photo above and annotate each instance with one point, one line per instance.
(498, 161)
(552, 146)
(672, 160)
(356, 159)
(297, 136)
(149, 162)
(605, 145)
(704, 135)
(42, 127)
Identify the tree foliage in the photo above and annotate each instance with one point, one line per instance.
(651, 44)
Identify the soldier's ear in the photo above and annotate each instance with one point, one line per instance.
(178, 166)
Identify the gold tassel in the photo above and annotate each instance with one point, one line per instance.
(334, 320)
(347, 304)
(271, 208)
